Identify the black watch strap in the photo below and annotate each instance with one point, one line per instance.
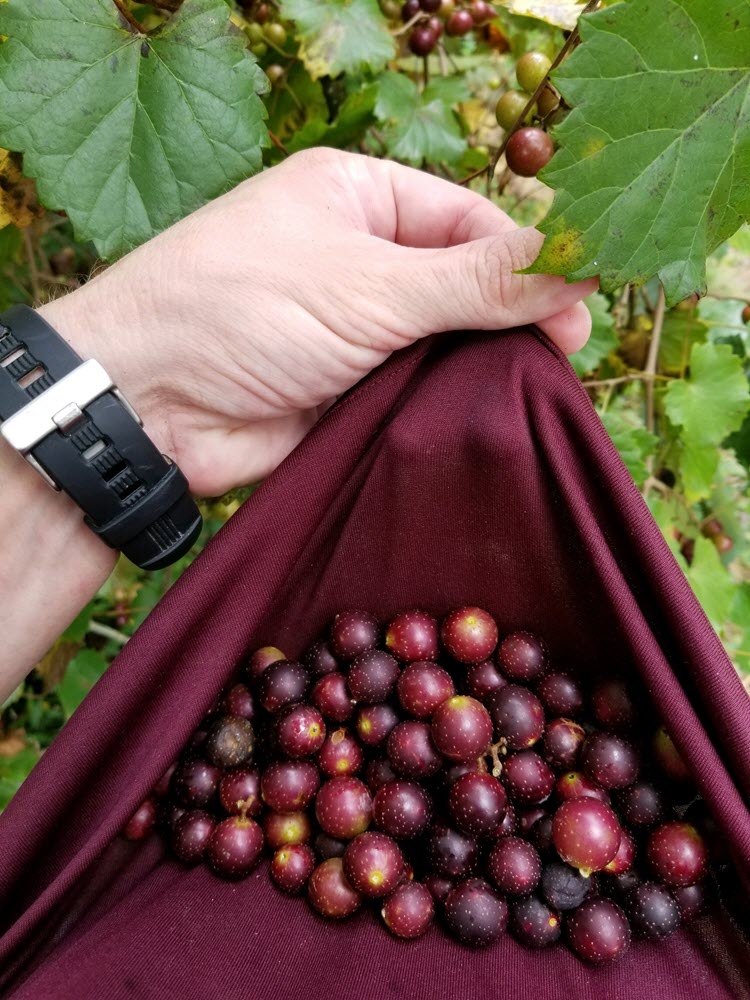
(70, 421)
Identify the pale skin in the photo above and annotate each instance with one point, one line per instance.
(231, 332)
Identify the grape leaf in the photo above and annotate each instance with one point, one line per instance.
(14, 771)
(561, 13)
(679, 332)
(126, 132)
(707, 406)
(355, 115)
(653, 162)
(633, 442)
(603, 338)
(711, 583)
(422, 126)
(84, 670)
(340, 36)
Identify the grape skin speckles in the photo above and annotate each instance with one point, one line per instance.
(598, 931)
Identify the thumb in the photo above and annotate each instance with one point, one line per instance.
(476, 285)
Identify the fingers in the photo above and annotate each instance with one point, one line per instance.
(569, 329)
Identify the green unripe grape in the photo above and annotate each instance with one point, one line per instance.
(254, 32)
(275, 33)
(259, 50)
(548, 102)
(391, 9)
(509, 107)
(531, 69)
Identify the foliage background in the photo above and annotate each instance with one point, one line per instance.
(669, 378)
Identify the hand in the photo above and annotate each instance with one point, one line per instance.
(232, 331)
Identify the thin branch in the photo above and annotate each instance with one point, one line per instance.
(653, 357)
(621, 379)
(278, 143)
(135, 26)
(419, 16)
(107, 632)
(36, 288)
(473, 176)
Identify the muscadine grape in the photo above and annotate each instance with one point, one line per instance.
(412, 636)
(409, 910)
(528, 150)
(547, 102)
(598, 931)
(484, 679)
(409, 10)
(300, 731)
(653, 912)
(528, 779)
(282, 683)
(451, 852)
(372, 676)
(531, 69)
(141, 823)
(438, 887)
(163, 785)
(195, 782)
(288, 786)
(373, 864)
(329, 847)
(575, 785)
(475, 914)
(286, 828)
(330, 893)
(668, 757)
(341, 754)
(374, 723)
(586, 834)
(540, 834)
(402, 809)
(623, 860)
(238, 701)
(353, 633)
(343, 807)
(518, 716)
(563, 887)
(562, 742)
(274, 72)
(379, 772)
(262, 659)
(481, 11)
(422, 687)
(292, 866)
(230, 741)
(422, 40)
(510, 107)
(453, 772)
(239, 791)
(691, 900)
(560, 694)
(461, 728)
(276, 34)
(612, 705)
(477, 803)
(641, 804)
(459, 23)
(190, 835)
(469, 634)
(234, 847)
(534, 923)
(514, 866)
(319, 659)
(609, 760)
(509, 824)
(436, 27)
(330, 695)
(746, 314)
(522, 657)
(528, 818)
(677, 853)
(411, 750)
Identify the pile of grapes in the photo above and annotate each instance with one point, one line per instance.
(435, 769)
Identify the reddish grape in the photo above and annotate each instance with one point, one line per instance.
(518, 716)
(234, 847)
(240, 791)
(283, 683)
(343, 807)
(292, 866)
(353, 633)
(677, 854)
(262, 659)
(319, 659)
(469, 634)
(422, 687)
(668, 757)
(623, 860)
(195, 782)
(560, 694)
(461, 728)
(528, 150)
(373, 864)
(481, 11)
(411, 750)
(341, 754)
(141, 823)
(484, 679)
(329, 847)
(289, 786)
(514, 866)
(691, 900)
(190, 836)
(239, 701)
(450, 852)
(422, 40)
(286, 828)
(330, 695)
(563, 887)
(439, 886)
(522, 657)
(379, 772)
(412, 636)
(409, 910)
(300, 731)
(575, 785)
(598, 931)
(612, 705)
(409, 10)
(230, 741)
(459, 23)
(641, 804)
(402, 809)
(527, 778)
(534, 923)
(586, 834)
(475, 914)
(540, 834)
(372, 676)
(609, 760)
(329, 891)
(374, 723)
(563, 739)
(620, 885)
(436, 27)
(477, 803)
(652, 910)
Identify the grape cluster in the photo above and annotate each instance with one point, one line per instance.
(265, 32)
(713, 529)
(430, 18)
(529, 148)
(441, 768)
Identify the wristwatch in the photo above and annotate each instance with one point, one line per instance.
(72, 424)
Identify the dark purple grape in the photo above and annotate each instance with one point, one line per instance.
(374, 723)
(329, 891)
(652, 911)
(612, 705)
(528, 779)
(477, 803)
(509, 824)
(292, 866)
(540, 834)
(422, 40)
(469, 634)
(623, 860)
(475, 914)
(430, 6)
(412, 636)
(562, 743)
(668, 758)
(141, 823)
(379, 772)
(514, 866)
(283, 683)
(330, 695)
(190, 836)
(586, 834)
(518, 716)
(620, 885)
(459, 23)
(168, 814)
(563, 887)
(522, 656)
(484, 679)
(609, 760)
(234, 847)
(230, 741)
(262, 659)
(329, 847)
(300, 731)
(343, 807)
(288, 786)
(461, 728)
(534, 923)
(641, 804)
(239, 701)
(319, 659)
(422, 687)
(451, 852)
(372, 676)
(341, 754)
(598, 931)
(411, 750)
(353, 633)
(560, 694)
(409, 910)
(439, 886)
(691, 900)
(195, 782)
(575, 785)
(677, 854)
(239, 791)
(409, 10)
(281, 829)
(373, 864)
(402, 809)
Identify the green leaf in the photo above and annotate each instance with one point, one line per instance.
(633, 442)
(603, 338)
(125, 132)
(14, 771)
(340, 36)
(707, 406)
(711, 583)
(354, 117)
(416, 126)
(679, 332)
(84, 670)
(651, 172)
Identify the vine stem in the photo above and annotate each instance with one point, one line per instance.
(278, 143)
(571, 42)
(128, 17)
(653, 356)
(419, 16)
(631, 377)
(106, 632)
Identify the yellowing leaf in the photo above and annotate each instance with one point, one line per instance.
(561, 13)
(18, 204)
